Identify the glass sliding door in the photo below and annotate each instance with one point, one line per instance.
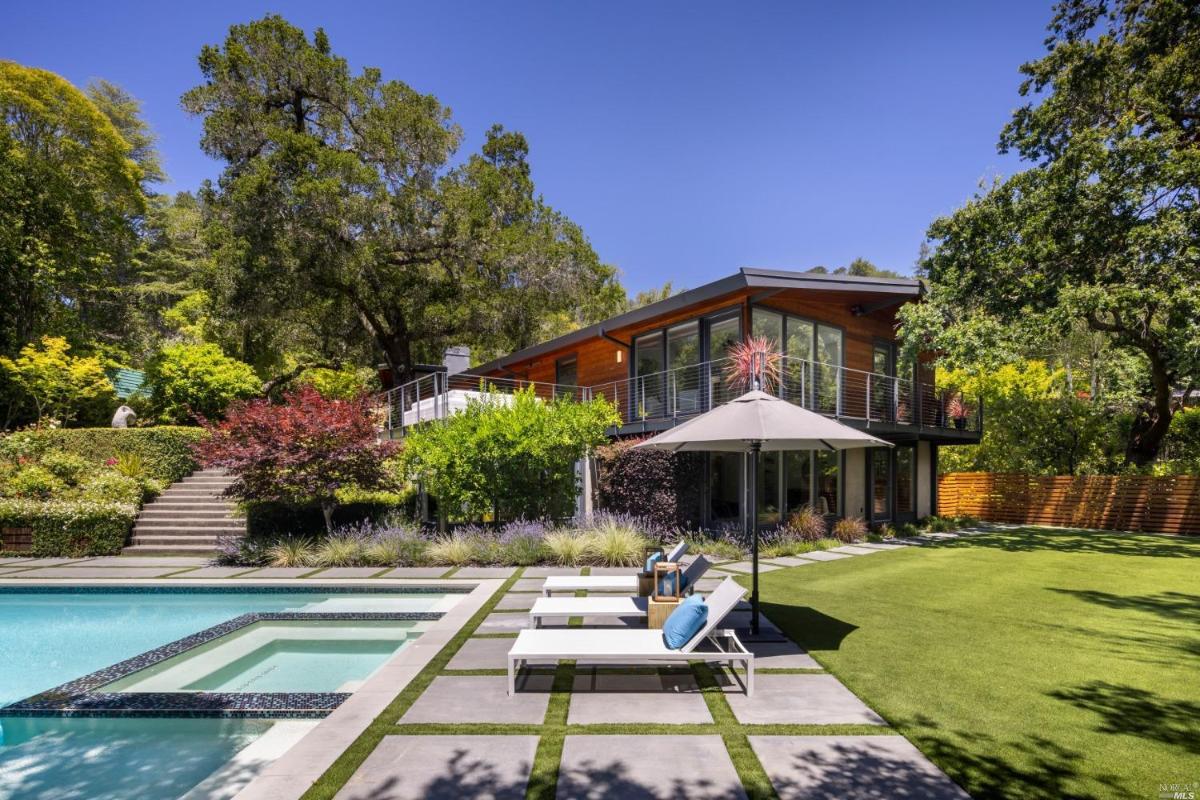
(566, 376)
(724, 487)
(683, 379)
(906, 474)
(797, 472)
(881, 484)
(797, 371)
(768, 488)
(881, 383)
(828, 355)
(826, 469)
(649, 395)
(723, 333)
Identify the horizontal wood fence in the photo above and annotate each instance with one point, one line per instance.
(1169, 504)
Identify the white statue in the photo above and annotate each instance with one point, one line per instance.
(124, 417)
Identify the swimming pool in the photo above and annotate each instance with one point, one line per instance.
(52, 636)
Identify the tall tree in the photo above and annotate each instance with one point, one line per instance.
(1104, 227)
(340, 194)
(124, 111)
(70, 194)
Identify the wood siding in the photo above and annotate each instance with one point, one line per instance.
(597, 358)
(1168, 504)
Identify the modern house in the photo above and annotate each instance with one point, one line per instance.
(835, 336)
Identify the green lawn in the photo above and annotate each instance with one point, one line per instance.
(1028, 664)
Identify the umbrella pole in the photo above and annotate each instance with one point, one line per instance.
(752, 480)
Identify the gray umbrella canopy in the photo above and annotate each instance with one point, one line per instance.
(774, 423)
(751, 423)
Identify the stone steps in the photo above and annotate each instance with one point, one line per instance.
(190, 516)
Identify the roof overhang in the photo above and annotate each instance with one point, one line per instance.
(769, 280)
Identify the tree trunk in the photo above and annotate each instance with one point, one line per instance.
(1151, 424)
(327, 507)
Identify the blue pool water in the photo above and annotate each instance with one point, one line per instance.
(47, 639)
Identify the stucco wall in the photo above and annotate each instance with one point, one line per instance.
(925, 479)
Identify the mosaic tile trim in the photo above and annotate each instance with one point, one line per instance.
(79, 698)
(239, 589)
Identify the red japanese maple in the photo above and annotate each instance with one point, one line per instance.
(300, 451)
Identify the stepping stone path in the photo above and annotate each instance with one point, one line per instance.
(189, 517)
(444, 768)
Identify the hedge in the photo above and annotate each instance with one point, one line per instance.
(663, 487)
(69, 528)
(166, 450)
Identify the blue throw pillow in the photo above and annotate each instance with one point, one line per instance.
(652, 560)
(685, 622)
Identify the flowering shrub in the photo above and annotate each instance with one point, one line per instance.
(303, 450)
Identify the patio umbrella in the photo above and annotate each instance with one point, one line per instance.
(754, 422)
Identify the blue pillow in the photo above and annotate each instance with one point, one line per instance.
(685, 622)
(652, 560)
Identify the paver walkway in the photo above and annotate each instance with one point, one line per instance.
(583, 731)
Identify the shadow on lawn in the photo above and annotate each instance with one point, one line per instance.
(1168, 605)
(1072, 540)
(1137, 712)
(814, 630)
(1042, 769)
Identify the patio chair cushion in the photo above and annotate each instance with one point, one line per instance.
(685, 622)
(652, 560)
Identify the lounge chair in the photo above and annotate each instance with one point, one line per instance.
(637, 645)
(604, 583)
(605, 606)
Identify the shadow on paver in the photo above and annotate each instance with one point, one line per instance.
(444, 768)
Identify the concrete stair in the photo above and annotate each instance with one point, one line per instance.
(190, 516)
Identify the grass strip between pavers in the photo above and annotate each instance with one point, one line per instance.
(543, 777)
(349, 761)
(749, 770)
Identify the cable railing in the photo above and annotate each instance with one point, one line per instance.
(829, 389)
(438, 395)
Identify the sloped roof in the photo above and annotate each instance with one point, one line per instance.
(127, 382)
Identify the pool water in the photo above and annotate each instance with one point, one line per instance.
(278, 656)
(47, 639)
(116, 759)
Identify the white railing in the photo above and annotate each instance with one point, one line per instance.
(437, 395)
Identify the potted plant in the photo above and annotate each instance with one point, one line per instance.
(958, 411)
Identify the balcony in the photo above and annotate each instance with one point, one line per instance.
(661, 399)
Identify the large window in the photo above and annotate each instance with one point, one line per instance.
(881, 483)
(811, 374)
(723, 333)
(650, 388)
(786, 482)
(566, 375)
(683, 358)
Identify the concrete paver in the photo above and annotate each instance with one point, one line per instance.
(485, 653)
(484, 698)
(347, 572)
(599, 698)
(485, 572)
(793, 561)
(506, 622)
(824, 555)
(799, 700)
(528, 585)
(444, 768)
(416, 572)
(603, 767)
(179, 562)
(747, 567)
(96, 572)
(854, 550)
(517, 601)
(279, 572)
(215, 572)
(546, 572)
(838, 767)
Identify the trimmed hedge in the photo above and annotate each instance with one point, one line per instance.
(73, 529)
(166, 450)
(663, 487)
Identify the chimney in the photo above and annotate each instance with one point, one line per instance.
(457, 359)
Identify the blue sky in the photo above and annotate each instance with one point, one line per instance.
(688, 139)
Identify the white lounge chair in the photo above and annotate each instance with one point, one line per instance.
(608, 607)
(603, 583)
(637, 646)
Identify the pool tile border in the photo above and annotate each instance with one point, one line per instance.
(79, 698)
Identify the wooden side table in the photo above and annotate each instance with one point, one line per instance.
(657, 612)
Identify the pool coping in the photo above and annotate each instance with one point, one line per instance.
(291, 775)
